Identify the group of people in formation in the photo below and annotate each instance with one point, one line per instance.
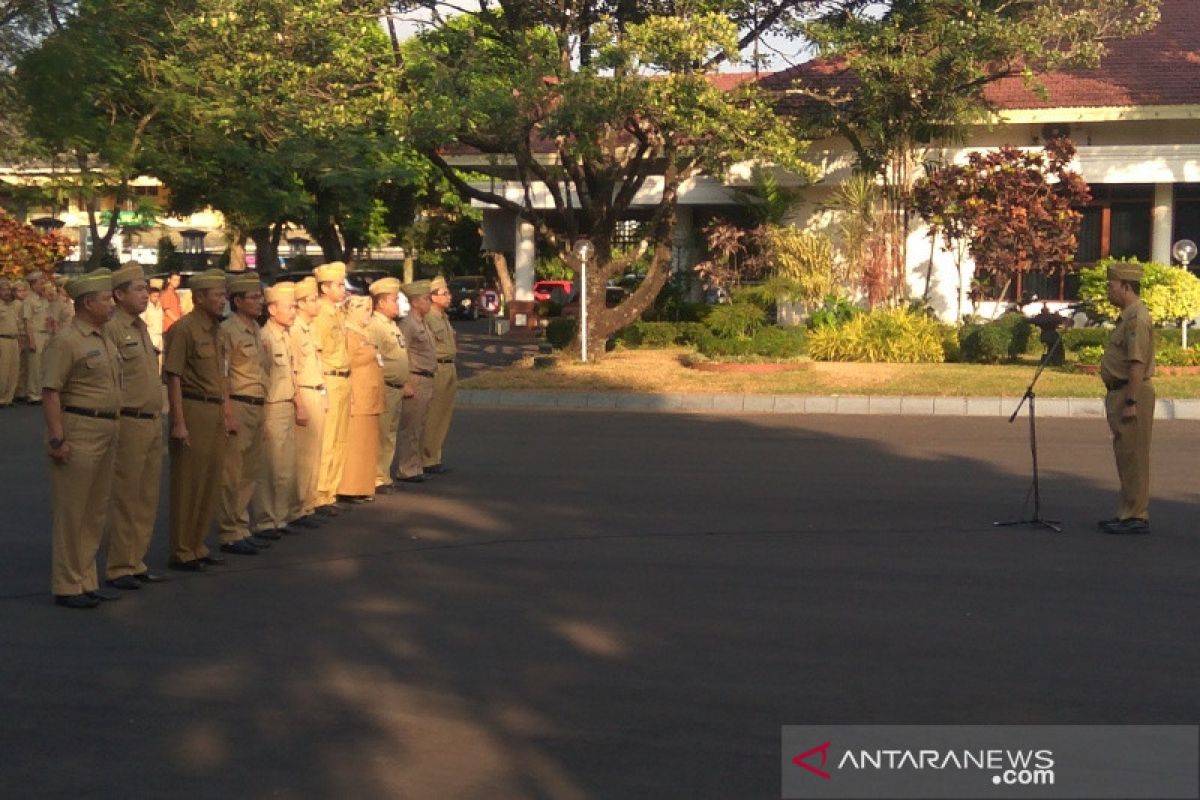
(271, 427)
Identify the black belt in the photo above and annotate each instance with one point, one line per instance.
(90, 412)
(394, 385)
(1112, 386)
(339, 373)
(203, 398)
(245, 398)
(424, 373)
(318, 388)
(135, 414)
(6, 336)
(445, 360)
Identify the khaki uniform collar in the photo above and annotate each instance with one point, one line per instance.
(84, 327)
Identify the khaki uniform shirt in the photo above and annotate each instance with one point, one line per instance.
(245, 357)
(307, 360)
(195, 351)
(385, 334)
(330, 326)
(37, 313)
(1131, 340)
(141, 384)
(81, 365)
(10, 319)
(421, 352)
(278, 364)
(443, 334)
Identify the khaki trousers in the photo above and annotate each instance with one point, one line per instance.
(389, 429)
(10, 370)
(1131, 447)
(136, 478)
(196, 479)
(276, 494)
(241, 471)
(34, 367)
(308, 452)
(23, 374)
(333, 440)
(412, 422)
(80, 494)
(441, 409)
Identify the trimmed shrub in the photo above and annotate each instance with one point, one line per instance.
(1177, 357)
(1075, 339)
(984, 344)
(883, 335)
(677, 312)
(950, 343)
(735, 320)
(781, 343)
(560, 333)
(833, 312)
(660, 334)
(1089, 354)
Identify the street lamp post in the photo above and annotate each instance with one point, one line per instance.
(1184, 251)
(583, 251)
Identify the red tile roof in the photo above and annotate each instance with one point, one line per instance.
(1161, 67)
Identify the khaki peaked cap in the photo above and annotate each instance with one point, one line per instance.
(416, 289)
(243, 283)
(209, 279)
(306, 288)
(385, 286)
(99, 280)
(1125, 271)
(281, 292)
(129, 271)
(439, 283)
(328, 273)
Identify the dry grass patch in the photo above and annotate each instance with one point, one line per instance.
(664, 372)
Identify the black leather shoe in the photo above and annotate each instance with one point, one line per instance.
(104, 594)
(75, 601)
(195, 565)
(387, 488)
(214, 559)
(150, 577)
(1132, 526)
(270, 534)
(240, 548)
(125, 582)
(329, 510)
(414, 479)
(1104, 523)
(303, 522)
(439, 469)
(351, 499)
(257, 543)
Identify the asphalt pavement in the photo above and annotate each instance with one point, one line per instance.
(611, 605)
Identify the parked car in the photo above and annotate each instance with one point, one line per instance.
(466, 301)
(613, 297)
(554, 291)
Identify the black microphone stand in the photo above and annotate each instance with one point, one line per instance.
(1037, 519)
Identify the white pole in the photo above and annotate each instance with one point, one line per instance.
(583, 328)
(1185, 262)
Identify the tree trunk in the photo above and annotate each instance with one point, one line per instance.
(603, 322)
(266, 243)
(500, 262)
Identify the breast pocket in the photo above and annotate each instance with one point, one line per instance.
(205, 348)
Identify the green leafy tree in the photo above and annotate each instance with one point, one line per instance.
(911, 73)
(592, 103)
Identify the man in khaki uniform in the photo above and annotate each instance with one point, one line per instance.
(310, 393)
(385, 334)
(138, 468)
(62, 308)
(36, 316)
(10, 349)
(247, 379)
(276, 494)
(422, 361)
(335, 367)
(201, 421)
(20, 295)
(1126, 369)
(82, 390)
(445, 379)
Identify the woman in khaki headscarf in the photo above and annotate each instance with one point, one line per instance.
(366, 404)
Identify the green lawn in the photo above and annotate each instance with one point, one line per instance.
(664, 372)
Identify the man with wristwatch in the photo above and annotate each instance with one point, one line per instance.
(1126, 369)
(81, 391)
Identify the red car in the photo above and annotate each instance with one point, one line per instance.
(558, 291)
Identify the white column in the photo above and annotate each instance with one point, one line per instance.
(1161, 222)
(524, 262)
(681, 247)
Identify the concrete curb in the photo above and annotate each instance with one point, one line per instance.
(874, 405)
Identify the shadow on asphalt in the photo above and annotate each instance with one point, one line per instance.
(611, 605)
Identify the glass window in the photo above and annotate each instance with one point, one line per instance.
(1129, 231)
